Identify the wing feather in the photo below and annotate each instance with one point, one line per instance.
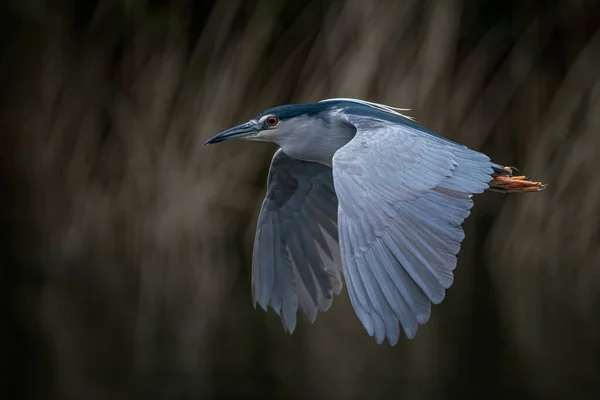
(296, 260)
(403, 196)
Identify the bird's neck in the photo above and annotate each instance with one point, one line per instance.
(317, 142)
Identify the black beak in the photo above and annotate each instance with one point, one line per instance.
(237, 132)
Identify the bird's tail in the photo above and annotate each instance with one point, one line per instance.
(508, 180)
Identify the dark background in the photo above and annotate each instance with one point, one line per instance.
(125, 246)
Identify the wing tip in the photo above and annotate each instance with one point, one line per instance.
(262, 303)
(289, 329)
(411, 332)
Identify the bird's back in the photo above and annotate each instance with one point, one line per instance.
(324, 127)
(364, 110)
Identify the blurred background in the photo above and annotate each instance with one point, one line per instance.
(125, 251)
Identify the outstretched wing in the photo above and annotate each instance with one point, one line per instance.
(403, 195)
(296, 253)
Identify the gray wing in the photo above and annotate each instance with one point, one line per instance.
(296, 254)
(403, 195)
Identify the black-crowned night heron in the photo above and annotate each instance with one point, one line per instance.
(358, 189)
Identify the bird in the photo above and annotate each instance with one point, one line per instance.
(358, 194)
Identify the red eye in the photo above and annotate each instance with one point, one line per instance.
(272, 121)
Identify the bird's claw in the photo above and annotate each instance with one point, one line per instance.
(511, 170)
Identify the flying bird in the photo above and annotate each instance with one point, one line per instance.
(358, 192)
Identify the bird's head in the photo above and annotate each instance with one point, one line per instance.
(275, 124)
(313, 131)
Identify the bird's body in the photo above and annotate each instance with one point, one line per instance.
(359, 193)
